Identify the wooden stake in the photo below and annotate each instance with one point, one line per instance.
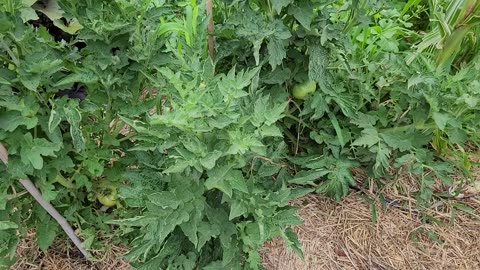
(211, 44)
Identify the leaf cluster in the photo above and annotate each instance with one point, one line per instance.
(206, 154)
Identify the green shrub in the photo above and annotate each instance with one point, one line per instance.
(201, 157)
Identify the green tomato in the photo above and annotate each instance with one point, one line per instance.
(301, 90)
(108, 200)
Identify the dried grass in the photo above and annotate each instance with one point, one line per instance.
(62, 256)
(341, 235)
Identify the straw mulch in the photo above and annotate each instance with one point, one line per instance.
(62, 256)
(341, 235)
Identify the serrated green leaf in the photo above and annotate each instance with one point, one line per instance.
(179, 166)
(338, 129)
(48, 190)
(32, 82)
(219, 178)
(164, 199)
(237, 209)
(267, 113)
(279, 4)
(6, 225)
(382, 158)
(276, 52)
(316, 103)
(77, 138)
(338, 181)
(369, 138)
(172, 220)
(270, 131)
(82, 181)
(292, 241)
(33, 150)
(302, 11)
(6, 76)
(441, 119)
(46, 231)
(307, 177)
(400, 141)
(300, 192)
(11, 120)
(241, 143)
(206, 232)
(81, 76)
(74, 117)
(268, 169)
(286, 217)
(237, 181)
(93, 166)
(365, 120)
(208, 162)
(194, 227)
(54, 120)
(318, 67)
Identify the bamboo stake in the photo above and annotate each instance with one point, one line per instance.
(211, 44)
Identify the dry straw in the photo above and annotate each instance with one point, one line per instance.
(342, 236)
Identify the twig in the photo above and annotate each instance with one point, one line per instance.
(211, 45)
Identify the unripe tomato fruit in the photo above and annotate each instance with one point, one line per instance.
(108, 200)
(301, 90)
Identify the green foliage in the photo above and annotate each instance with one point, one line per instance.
(206, 155)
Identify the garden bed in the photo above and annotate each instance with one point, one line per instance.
(335, 235)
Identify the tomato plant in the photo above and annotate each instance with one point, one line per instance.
(205, 154)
